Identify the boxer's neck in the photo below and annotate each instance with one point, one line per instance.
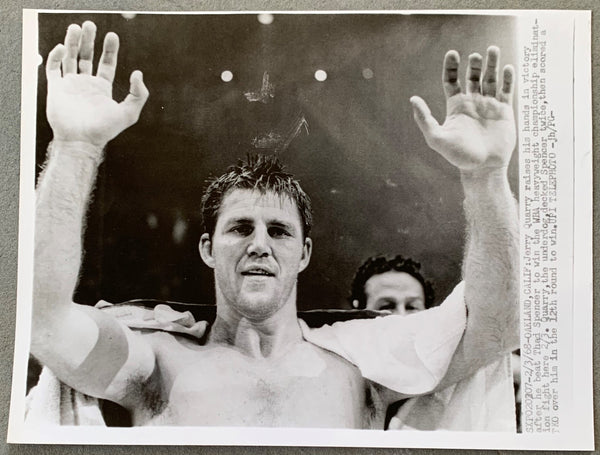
(258, 338)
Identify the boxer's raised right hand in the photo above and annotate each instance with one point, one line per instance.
(80, 107)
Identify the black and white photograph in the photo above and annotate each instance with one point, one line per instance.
(276, 228)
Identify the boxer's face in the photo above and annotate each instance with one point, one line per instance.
(397, 292)
(256, 251)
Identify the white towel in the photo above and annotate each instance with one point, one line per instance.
(51, 402)
(408, 354)
(482, 402)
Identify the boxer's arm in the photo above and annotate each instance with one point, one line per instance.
(86, 349)
(490, 271)
(478, 137)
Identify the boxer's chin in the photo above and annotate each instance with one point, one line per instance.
(258, 299)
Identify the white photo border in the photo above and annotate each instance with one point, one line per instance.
(579, 436)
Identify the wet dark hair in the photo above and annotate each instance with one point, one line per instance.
(258, 172)
(380, 264)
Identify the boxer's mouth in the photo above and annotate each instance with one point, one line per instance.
(257, 271)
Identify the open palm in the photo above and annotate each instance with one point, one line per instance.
(80, 106)
(479, 130)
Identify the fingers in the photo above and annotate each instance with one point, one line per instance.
(426, 122)
(490, 78)
(508, 85)
(450, 74)
(486, 85)
(138, 94)
(108, 61)
(86, 49)
(53, 63)
(69, 63)
(78, 53)
(474, 73)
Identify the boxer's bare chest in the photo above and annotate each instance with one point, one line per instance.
(216, 385)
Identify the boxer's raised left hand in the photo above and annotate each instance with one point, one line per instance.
(479, 131)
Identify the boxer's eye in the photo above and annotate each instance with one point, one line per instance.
(241, 229)
(278, 231)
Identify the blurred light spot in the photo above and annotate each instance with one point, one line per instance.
(226, 76)
(367, 73)
(334, 191)
(320, 75)
(39, 60)
(152, 221)
(128, 16)
(179, 230)
(265, 18)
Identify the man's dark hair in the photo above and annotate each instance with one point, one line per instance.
(380, 264)
(258, 172)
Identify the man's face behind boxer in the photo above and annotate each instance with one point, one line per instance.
(257, 251)
(397, 292)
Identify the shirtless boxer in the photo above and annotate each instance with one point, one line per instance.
(256, 367)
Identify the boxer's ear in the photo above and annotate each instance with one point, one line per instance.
(306, 253)
(205, 247)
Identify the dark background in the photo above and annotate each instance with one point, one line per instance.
(375, 185)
